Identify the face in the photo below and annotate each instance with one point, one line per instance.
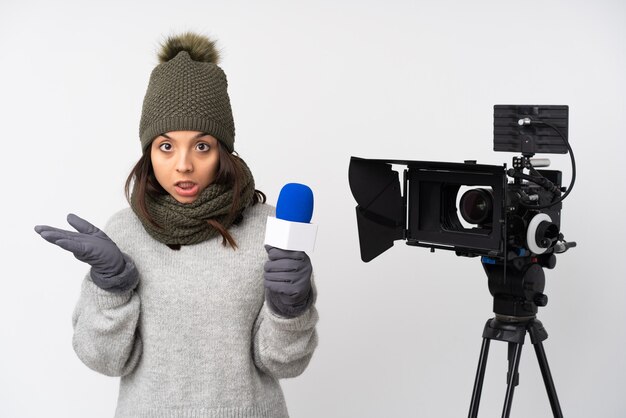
(185, 163)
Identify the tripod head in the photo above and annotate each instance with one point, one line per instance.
(517, 288)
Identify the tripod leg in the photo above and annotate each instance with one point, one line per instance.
(547, 380)
(510, 355)
(517, 354)
(480, 376)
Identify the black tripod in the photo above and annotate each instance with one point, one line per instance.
(517, 294)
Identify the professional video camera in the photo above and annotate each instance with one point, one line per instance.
(515, 226)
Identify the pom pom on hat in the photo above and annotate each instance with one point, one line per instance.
(199, 47)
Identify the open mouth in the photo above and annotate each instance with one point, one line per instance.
(186, 188)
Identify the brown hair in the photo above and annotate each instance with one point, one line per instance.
(229, 172)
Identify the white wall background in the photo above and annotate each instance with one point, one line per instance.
(311, 85)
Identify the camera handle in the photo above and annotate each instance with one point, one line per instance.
(513, 331)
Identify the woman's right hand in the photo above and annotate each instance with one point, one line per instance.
(92, 246)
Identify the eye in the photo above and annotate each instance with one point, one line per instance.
(203, 146)
(165, 144)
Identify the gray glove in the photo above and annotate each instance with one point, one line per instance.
(111, 269)
(287, 281)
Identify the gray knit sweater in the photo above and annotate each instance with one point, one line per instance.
(194, 338)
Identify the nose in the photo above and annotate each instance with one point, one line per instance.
(184, 163)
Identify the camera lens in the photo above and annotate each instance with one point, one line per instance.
(477, 206)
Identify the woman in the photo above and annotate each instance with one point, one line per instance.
(180, 314)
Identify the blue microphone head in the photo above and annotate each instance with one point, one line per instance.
(295, 203)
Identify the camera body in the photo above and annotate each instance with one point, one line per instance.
(496, 216)
(430, 211)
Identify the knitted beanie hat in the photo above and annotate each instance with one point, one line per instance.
(187, 91)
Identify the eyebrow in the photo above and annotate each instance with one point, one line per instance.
(200, 135)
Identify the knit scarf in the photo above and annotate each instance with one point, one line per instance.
(186, 223)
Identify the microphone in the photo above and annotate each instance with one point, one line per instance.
(291, 228)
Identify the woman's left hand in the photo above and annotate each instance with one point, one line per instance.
(288, 281)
